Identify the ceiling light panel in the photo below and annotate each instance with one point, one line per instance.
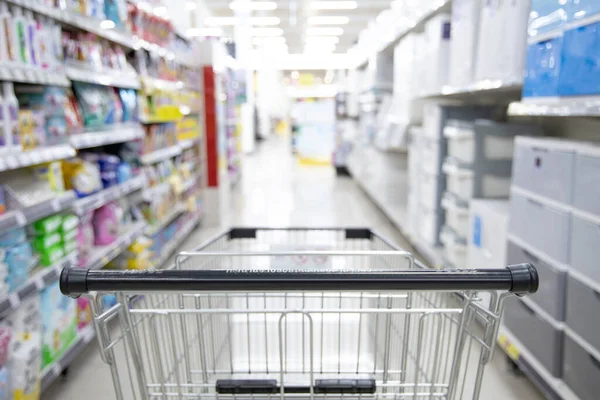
(333, 20)
(334, 5)
(331, 31)
(267, 31)
(322, 39)
(230, 21)
(253, 5)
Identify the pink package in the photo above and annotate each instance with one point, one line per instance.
(84, 313)
(106, 224)
(5, 338)
(85, 239)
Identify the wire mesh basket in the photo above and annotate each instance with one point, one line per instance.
(298, 313)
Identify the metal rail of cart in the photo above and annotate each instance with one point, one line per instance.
(298, 313)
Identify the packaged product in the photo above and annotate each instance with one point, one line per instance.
(25, 321)
(45, 242)
(69, 246)
(52, 173)
(82, 177)
(85, 239)
(73, 117)
(25, 364)
(6, 336)
(106, 224)
(47, 225)
(27, 129)
(118, 106)
(12, 237)
(84, 312)
(59, 323)
(51, 255)
(2, 203)
(68, 223)
(19, 259)
(96, 104)
(129, 103)
(4, 382)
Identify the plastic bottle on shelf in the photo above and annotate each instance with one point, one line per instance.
(8, 33)
(10, 111)
(5, 136)
(21, 37)
(33, 41)
(44, 33)
(4, 21)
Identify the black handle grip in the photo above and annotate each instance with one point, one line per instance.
(519, 279)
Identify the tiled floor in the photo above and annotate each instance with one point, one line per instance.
(275, 191)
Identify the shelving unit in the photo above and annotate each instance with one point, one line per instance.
(34, 157)
(104, 77)
(588, 106)
(34, 76)
(161, 154)
(105, 196)
(120, 133)
(40, 278)
(102, 255)
(20, 218)
(178, 239)
(177, 210)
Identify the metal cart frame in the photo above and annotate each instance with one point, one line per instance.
(298, 313)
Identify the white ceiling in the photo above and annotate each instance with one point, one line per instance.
(295, 20)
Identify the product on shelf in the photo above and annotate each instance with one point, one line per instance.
(159, 136)
(106, 224)
(84, 313)
(53, 237)
(136, 257)
(82, 177)
(129, 104)
(87, 51)
(59, 323)
(148, 26)
(97, 104)
(85, 239)
(16, 258)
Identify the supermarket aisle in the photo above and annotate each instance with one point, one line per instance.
(276, 192)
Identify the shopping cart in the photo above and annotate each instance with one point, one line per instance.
(298, 313)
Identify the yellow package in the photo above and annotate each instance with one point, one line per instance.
(27, 127)
(52, 173)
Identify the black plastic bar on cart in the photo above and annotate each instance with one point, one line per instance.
(519, 279)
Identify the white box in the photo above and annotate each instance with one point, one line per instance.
(463, 44)
(455, 250)
(429, 190)
(437, 32)
(491, 38)
(432, 120)
(515, 16)
(429, 223)
(457, 215)
(488, 229)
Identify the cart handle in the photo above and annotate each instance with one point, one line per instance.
(519, 279)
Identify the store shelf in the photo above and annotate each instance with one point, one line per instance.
(586, 106)
(170, 248)
(551, 387)
(482, 91)
(37, 156)
(89, 203)
(82, 22)
(156, 190)
(416, 26)
(102, 255)
(52, 372)
(161, 154)
(40, 278)
(152, 230)
(188, 144)
(113, 78)
(188, 184)
(19, 218)
(383, 177)
(590, 19)
(33, 75)
(156, 83)
(119, 133)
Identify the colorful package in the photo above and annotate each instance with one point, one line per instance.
(130, 106)
(25, 369)
(4, 384)
(45, 242)
(12, 237)
(84, 312)
(106, 225)
(47, 225)
(59, 323)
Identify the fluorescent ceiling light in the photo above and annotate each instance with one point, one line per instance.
(230, 21)
(333, 31)
(253, 5)
(195, 32)
(328, 20)
(322, 39)
(334, 5)
(191, 5)
(269, 40)
(161, 11)
(267, 31)
(326, 48)
(264, 21)
(107, 24)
